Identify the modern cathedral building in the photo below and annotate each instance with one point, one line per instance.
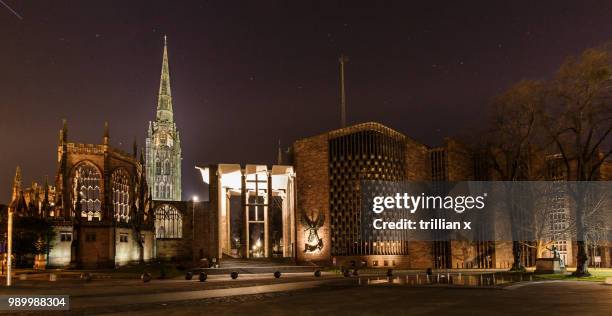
(310, 211)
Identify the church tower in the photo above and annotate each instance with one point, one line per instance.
(163, 144)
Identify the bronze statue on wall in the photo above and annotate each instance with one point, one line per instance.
(313, 241)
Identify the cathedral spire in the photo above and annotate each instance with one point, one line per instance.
(17, 200)
(163, 143)
(63, 134)
(106, 137)
(17, 183)
(135, 148)
(164, 101)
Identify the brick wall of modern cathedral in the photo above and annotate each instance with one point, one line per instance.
(163, 144)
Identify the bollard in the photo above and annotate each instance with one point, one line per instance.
(317, 273)
(494, 279)
(438, 278)
(481, 282)
(146, 277)
(234, 275)
(277, 274)
(188, 275)
(427, 278)
(204, 276)
(417, 279)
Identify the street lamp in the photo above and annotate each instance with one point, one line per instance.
(194, 199)
(9, 251)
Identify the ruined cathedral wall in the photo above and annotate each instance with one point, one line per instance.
(127, 248)
(171, 249)
(79, 153)
(96, 247)
(60, 254)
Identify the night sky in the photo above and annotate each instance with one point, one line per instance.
(246, 74)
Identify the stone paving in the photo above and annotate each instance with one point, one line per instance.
(303, 294)
(545, 298)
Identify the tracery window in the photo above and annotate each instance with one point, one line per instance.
(157, 166)
(166, 169)
(121, 195)
(168, 222)
(160, 189)
(86, 184)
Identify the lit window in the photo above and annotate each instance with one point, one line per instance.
(87, 182)
(121, 195)
(168, 222)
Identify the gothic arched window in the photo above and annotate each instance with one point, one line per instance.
(121, 195)
(86, 184)
(168, 222)
(160, 192)
(157, 166)
(166, 168)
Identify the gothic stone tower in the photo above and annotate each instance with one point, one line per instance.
(163, 144)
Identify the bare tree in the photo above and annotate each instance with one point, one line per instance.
(510, 146)
(578, 120)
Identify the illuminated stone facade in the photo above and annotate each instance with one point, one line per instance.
(100, 206)
(163, 144)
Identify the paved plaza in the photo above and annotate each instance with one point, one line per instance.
(303, 294)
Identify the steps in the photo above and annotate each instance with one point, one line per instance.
(259, 265)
